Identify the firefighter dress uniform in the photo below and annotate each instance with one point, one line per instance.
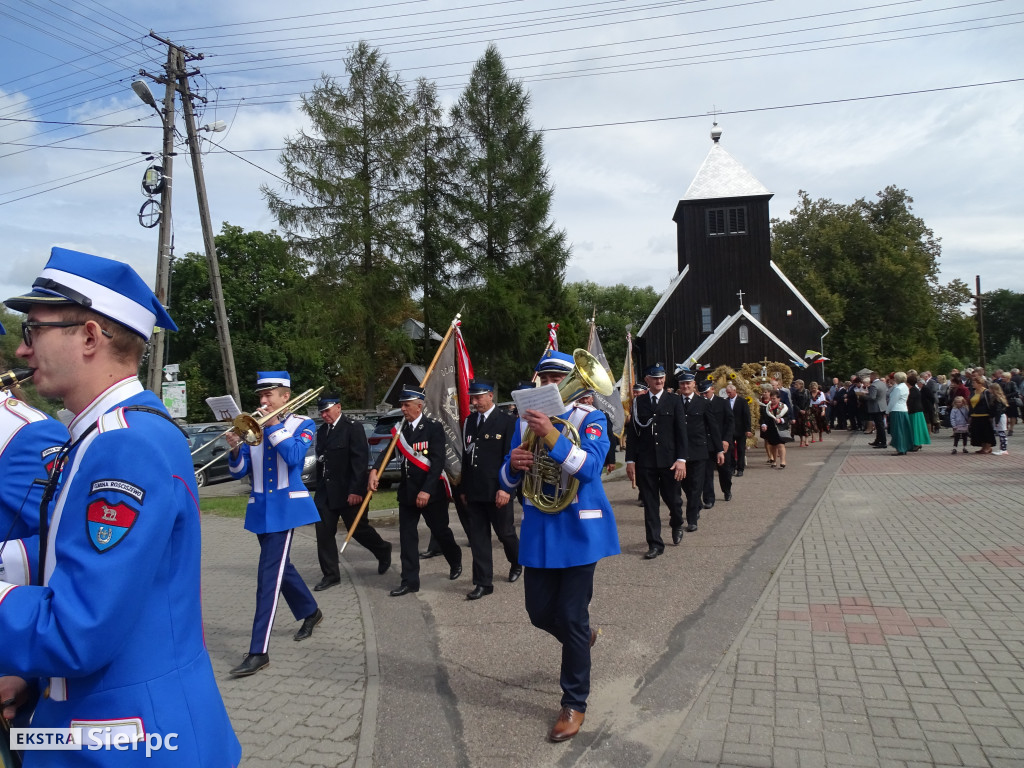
(115, 631)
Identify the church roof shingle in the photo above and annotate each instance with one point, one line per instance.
(721, 175)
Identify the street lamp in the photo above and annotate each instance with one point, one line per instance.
(163, 256)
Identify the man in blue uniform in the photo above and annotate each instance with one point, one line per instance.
(278, 503)
(113, 625)
(560, 551)
(29, 443)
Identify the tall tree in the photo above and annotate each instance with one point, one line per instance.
(513, 268)
(346, 209)
(434, 257)
(617, 306)
(957, 332)
(870, 269)
(264, 285)
(1003, 318)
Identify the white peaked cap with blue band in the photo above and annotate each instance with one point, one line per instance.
(272, 380)
(109, 287)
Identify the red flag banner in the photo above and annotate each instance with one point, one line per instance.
(447, 398)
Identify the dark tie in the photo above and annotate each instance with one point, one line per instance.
(686, 405)
(479, 420)
(654, 402)
(407, 432)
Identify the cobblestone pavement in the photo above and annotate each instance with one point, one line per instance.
(858, 609)
(893, 632)
(307, 708)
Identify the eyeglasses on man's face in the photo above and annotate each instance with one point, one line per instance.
(27, 328)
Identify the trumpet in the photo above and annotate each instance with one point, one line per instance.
(587, 373)
(249, 427)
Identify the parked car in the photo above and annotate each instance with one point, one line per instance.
(309, 466)
(202, 436)
(378, 440)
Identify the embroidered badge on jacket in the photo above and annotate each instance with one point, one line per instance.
(109, 523)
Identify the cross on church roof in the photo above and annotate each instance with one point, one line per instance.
(740, 294)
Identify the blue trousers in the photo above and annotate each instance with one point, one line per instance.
(277, 576)
(558, 601)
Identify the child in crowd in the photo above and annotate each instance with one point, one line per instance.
(1000, 406)
(959, 420)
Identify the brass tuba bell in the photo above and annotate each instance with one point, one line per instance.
(587, 373)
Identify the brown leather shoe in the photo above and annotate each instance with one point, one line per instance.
(567, 725)
(593, 637)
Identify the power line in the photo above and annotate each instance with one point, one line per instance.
(93, 173)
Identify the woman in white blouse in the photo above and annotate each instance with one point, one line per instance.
(899, 419)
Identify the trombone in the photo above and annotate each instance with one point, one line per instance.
(249, 427)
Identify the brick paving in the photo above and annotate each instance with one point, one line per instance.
(891, 635)
(883, 629)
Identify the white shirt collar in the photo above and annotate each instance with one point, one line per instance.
(107, 399)
(413, 424)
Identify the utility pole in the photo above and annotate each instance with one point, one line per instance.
(220, 311)
(981, 317)
(154, 381)
(177, 80)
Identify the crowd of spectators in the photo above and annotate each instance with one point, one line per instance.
(907, 408)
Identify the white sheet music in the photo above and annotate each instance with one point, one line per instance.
(544, 399)
(224, 407)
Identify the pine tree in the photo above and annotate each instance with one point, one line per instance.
(350, 220)
(513, 266)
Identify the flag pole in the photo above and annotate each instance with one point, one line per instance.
(398, 430)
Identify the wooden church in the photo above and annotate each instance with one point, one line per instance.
(729, 303)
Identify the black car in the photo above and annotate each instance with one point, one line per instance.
(378, 440)
(201, 436)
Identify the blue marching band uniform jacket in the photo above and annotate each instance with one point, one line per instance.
(585, 531)
(279, 501)
(116, 629)
(29, 443)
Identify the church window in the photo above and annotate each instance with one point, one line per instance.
(727, 221)
(744, 335)
(705, 320)
(755, 311)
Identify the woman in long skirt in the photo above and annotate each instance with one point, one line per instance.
(918, 424)
(774, 418)
(983, 436)
(899, 420)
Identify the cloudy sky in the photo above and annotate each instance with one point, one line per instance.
(839, 99)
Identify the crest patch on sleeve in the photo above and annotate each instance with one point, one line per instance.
(108, 523)
(593, 431)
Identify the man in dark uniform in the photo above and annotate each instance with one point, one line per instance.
(736, 454)
(656, 457)
(342, 456)
(722, 414)
(701, 436)
(487, 439)
(421, 492)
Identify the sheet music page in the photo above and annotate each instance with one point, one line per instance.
(224, 407)
(544, 399)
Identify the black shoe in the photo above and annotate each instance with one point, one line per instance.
(251, 664)
(455, 572)
(709, 504)
(878, 445)
(514, 573)
(403, 589)
(728, 495)
(426, 554)
(479, 591)
(691, 528)
(652, 553)
(306, 630)
(734, 472)
(384, 563)
(739, 473)
(677, 535)
(326, 583)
